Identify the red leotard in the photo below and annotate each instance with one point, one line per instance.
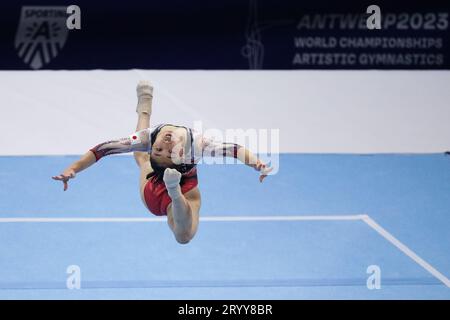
(156, 196)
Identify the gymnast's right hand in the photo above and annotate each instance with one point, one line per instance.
(65, 177)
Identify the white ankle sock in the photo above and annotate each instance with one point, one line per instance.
(144, 92)
(174, 193)
(172, 181)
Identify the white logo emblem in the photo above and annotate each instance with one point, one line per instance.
(41, 34)
(74, 279)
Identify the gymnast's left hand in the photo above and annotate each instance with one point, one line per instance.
(65, 177)
(263, 169)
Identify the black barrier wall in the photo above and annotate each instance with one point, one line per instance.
(231, 34)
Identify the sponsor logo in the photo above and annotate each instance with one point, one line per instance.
(41, 34)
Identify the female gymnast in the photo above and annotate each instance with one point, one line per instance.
(167, 156)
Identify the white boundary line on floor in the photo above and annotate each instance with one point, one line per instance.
(163, 219)
(365, 218)
(403, 248)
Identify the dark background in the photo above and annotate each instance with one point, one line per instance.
(198, 34)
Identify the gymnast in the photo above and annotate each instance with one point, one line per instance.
(167, 156)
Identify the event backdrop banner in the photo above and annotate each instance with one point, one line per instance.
(231, 34)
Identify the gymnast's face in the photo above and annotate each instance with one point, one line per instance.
(168, 148)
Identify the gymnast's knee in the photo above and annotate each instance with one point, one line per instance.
(183, 237)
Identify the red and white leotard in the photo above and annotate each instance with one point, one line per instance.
(155, 192)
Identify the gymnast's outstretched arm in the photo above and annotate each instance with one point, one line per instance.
(233, 150)
(247, 157)
(138, 141)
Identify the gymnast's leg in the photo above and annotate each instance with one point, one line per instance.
(183, 211)
(144, 110)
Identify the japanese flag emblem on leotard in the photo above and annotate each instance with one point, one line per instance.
(135, 139)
